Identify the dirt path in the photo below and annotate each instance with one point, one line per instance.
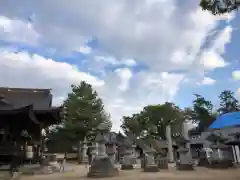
(201, 173)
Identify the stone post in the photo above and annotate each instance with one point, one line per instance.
(79, 152)
(185, 161)
(237, 153)
(134, 155)
(127, 160)
(84, 155)
(93, 152)
(169, 140)
(111, 152)
(186, 136)
(234, 155)
(150, 164)
(102, 166)
(101, 149)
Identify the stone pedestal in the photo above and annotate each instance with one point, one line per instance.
(111, 152)
(150, 165)
(134, 154)
(218, 160)
(143, 162)
(203, 160)
(93, 153)
(84, 156)
(112, 157)
(127, 163)
(185, 162)
(102, 166)
(162, 162)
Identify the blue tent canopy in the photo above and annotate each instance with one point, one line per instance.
(226, 120)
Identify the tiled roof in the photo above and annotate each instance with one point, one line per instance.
(21, 97)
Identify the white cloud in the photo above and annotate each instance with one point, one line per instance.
(211, 57)
(34, 71)
(223, 38)
(125, 75)
(140, 30)
(207, 81)
(128, 32)
(236, 75)
(129, 62)
(17, 31)
(113, 61)
(211, 60)
(120, 96)
(99, 63)
(85, 49)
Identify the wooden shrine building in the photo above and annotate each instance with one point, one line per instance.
(24, 113)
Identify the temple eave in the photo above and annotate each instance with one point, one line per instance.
(46, 117)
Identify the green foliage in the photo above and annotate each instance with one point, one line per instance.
(201, 113)
(228, 103)
(83, 111)
(204, 4)
(219, 7)
(153, 119)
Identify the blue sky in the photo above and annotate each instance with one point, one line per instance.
(133, 53)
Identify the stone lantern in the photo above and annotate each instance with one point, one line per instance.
(102, 166)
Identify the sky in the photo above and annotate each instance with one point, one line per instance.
(134, 53)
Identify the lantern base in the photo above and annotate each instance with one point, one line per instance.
(126, 167)
(151, 168)
(102, 167)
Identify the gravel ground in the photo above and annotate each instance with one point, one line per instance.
(80, 172)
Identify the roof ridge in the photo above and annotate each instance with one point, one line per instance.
(25, 89)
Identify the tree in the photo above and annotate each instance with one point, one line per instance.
(165, 114)
(228, 103)
(153, 119)
(131, 125)
(84, 110)
(137, 124)
(217, 7)
(201, 112)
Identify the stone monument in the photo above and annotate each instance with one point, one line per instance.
(158, 144)
(150, 165)
(185, 160)
(134, 153)
(111, 146)
(102, 166)
(203, 160)
(93, 152)
(84, 156)
(235, 142)
(161, 155)
(127, 163)
(169, 143)
(217, 159)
